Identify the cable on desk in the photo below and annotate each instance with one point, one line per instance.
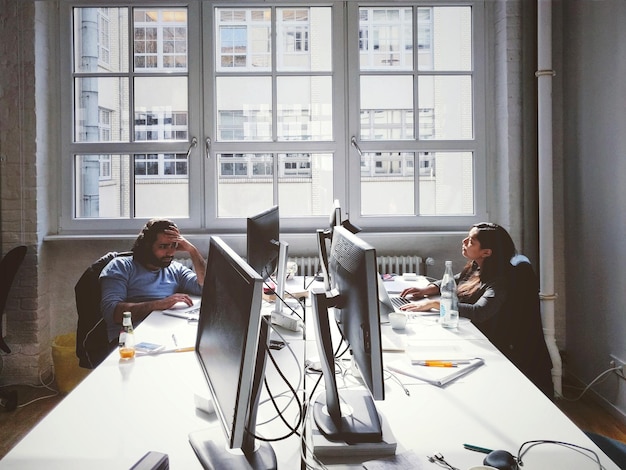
(526, 446)
(439, 460)
(283, 300)
(395, 377)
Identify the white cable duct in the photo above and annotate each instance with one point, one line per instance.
(546, 204)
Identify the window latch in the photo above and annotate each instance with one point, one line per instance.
(356, 146)
(207, 147)
(192, 145)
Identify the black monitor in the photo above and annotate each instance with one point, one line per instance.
(231, 348)
(324, 237)
(265, 252)
(352, 266)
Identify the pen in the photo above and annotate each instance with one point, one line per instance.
(176, 350)
(174, 339)
(477, 448)
(439, 363)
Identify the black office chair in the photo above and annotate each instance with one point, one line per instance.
(8, 269)
(92, 342)
(517, 330)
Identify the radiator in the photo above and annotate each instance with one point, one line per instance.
(396, 264)
(392, 264)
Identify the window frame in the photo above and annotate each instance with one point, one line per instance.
(202, 164)
(478, 145)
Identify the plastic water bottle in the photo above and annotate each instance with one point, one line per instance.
(127, 337)
(449, 309)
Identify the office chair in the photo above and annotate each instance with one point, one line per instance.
(517, 331)
(92, 342)
(8, 269)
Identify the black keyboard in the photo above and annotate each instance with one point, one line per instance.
(399, 301)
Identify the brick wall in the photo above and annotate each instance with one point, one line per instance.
(27, 331)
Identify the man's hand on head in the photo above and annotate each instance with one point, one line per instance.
(175, 236)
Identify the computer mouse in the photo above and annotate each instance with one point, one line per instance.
(501, 459)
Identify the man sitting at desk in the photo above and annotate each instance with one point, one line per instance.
(150, 279)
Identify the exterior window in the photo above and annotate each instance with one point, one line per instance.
(160, 39)
(105, 167)
(424, 103)
(272, 103)
(104, 38)
(108, 92)
(209, 112)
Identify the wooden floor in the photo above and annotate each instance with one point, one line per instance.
(586, 413)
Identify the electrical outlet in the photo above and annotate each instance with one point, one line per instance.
(615, 361)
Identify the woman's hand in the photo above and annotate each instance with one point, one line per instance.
(423, 305)
(413, 292)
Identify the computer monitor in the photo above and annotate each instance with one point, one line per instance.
(324, 237)
(352, 266)
(265, 252)
(231, 348)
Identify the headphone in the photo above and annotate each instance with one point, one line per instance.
(503, 460)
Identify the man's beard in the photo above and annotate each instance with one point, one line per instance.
(160, 262)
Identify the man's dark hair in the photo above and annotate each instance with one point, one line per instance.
(142, 249)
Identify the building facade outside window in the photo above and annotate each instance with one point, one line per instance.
(209, 113)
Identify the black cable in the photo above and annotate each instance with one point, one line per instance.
(279, 298)
(280, 412)
(530, 444)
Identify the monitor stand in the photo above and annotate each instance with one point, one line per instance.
(281, 276)
(210, 448)
(359, 420)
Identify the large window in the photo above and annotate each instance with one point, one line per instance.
(208, 112)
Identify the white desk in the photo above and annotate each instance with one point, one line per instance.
(122, 410)
(495, 406)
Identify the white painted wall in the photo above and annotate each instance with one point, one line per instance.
(594, 160)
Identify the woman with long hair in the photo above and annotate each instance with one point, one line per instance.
(483, 283)
(501, 299)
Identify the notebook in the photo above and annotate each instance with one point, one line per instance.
(438, 376)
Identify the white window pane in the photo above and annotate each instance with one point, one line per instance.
(387, 183)
(160, 39)
(386, 38)
(101, 196)
(304, 108)
(450, 99)
(244, 108)
(451, 34)
(305, 39)
(161, 186)
(100, 40)
(305, 185)
(448, 187)
(245, 183)
(162, 197)
(91, 96)
(243, 39)
(386, 107)
(159, 101)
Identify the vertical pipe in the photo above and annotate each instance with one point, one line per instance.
(546, 229)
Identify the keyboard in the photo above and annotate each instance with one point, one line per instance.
(192, 314)
(399, 301)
